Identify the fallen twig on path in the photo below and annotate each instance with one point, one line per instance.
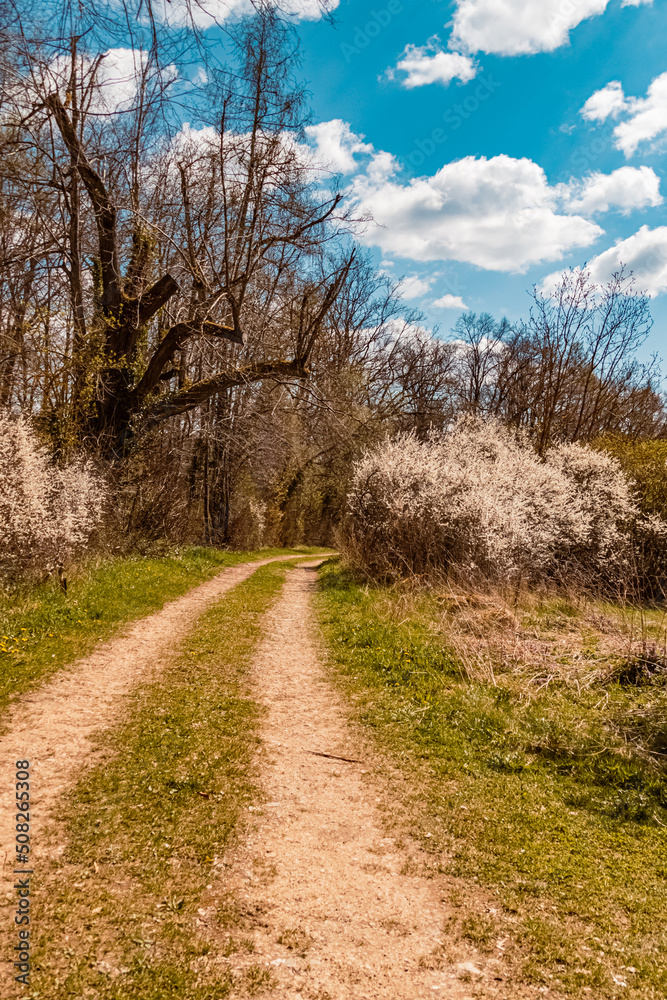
(333, 756)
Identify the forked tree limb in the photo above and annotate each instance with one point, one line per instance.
(103, 207)
(156, 296)
(172, 341)
(105, 217)
(198, 393)
(135, 313)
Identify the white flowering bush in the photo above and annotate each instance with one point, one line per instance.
(47, 513)
(479, 499)
(607, 507)
(256, 524)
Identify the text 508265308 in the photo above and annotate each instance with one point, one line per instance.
(22, 885)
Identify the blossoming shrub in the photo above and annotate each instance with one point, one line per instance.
(47, 513)
(605, 511)
(479, 500)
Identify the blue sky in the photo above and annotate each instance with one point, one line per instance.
(545, 149)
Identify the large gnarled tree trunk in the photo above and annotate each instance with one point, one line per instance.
(122, 399)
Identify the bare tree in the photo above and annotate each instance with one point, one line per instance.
(584, 340)
(237, 221)
(571, 372)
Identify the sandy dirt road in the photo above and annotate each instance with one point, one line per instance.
(333, 916)
(335, 909)
(52, 726)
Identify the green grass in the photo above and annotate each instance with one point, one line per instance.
(537, 800)
(42, 629)
(117, 915)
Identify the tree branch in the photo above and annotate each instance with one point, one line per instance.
(172, 341)
(156, 296)
(309, 332)
(303, 229)
(137, 312)
(188, 398)
(104, 209)
(210, 329)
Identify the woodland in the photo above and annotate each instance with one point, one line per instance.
(195, 347)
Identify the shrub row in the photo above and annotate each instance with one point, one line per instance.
(479, 501)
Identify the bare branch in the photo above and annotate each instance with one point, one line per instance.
(156, 296)
(105, 210)
(196, 394)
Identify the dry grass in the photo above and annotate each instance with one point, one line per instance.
(536, 639)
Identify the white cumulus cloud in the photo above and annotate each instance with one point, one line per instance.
(335, 145)
(499, 213)
(549, 284)
(515, 27)
(430, 64)
(450, 302)
(207, 13)
(413, 287)
(644, 118)
(118, 74)
(626, 189)
(644, 253)
(606, 103)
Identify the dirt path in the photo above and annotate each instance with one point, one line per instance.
(52, 726)
(333, 915)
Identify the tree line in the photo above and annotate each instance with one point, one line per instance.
(182, 299)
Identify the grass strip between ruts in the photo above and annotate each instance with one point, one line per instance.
(43, 629)
(117, 915)
(575, 892)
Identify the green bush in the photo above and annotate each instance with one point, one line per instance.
(645, 466)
